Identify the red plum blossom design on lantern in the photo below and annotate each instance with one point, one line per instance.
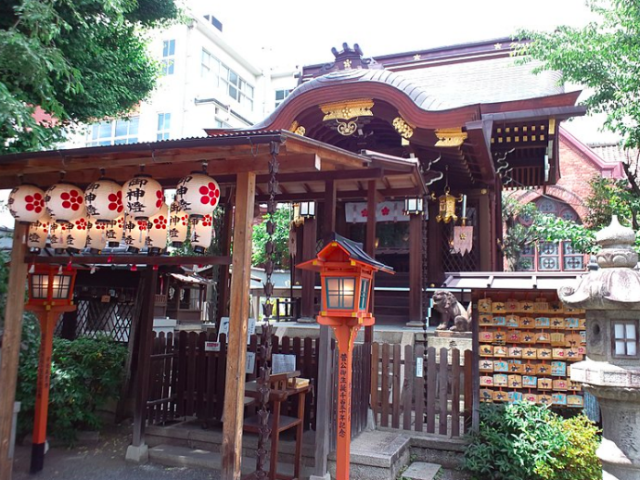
(210, 194)
(159, 198)
(71, 199)
(160, 222)
(115, 202)
(34, 203)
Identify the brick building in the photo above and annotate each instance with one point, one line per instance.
(579, 164)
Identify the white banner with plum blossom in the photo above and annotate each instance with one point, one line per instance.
(357, 212)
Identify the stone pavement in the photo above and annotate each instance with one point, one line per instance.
(103, 460)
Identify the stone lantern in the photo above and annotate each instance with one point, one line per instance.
(611, 371)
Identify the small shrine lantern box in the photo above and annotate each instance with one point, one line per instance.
(346, 273)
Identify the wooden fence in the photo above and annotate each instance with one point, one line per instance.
(187, 381)
(411, 388)
(422, 391)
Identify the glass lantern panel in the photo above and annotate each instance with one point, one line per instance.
(364, 293)
(632, 348)
(340, 292)
(39, 286)
(620, 348)
(61, 285)
(619, 330)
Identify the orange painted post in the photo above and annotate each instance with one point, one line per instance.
(346, 274)
(50, 295)
(48, 319)
(42, 393)
(345, 336)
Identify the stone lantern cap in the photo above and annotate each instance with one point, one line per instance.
(616, 284)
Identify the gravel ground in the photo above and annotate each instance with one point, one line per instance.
(103, 460)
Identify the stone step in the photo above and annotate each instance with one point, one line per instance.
(376, 455)
(421, 471)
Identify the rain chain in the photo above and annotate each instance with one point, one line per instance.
(264, 351)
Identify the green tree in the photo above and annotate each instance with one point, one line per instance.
(602, 56)
(77, 60)
(516, 235)
(282, 219)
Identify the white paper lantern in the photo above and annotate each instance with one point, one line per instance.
(198, 194)
(26, 203)
(178, 225)
(115, 230)
(38, 233)
(65, 202)
(77, 231)
(142, 197)
(104, 200)
(135, 234)
(201, 233)
(97, 236)
(158, 226)
(58, 235)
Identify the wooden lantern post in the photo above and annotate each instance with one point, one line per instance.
(50, 294)
(346, 273)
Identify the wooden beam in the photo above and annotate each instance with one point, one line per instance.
(485, 233)
(238, 325)
(415, 268)
(224, 277)
(330, 205)
(309, 232)
(123, 259)
(166, 173)
(323, 388)
(381, 195)
(11, 345)
(145, 331)
(370, 246)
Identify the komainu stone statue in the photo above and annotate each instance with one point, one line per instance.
(453, 315)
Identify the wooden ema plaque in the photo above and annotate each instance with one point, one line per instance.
(527, 347)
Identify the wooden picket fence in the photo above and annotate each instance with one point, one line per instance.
(422, 391)
(188, 381)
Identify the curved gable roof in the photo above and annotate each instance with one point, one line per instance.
(413, 101)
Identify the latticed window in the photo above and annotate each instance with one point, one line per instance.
(551, 256)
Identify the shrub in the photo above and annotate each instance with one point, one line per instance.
(85, 374)
(524, 441)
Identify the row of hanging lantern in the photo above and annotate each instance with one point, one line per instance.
(107, 213)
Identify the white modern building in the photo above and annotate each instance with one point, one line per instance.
(205, 83)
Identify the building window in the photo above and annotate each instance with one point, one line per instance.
(281, 95)
(114, 132)
(625, 338)
(221, 124)
(550, 256)
(209, 67)
(168, 56)
(222, 76)
(164, 126)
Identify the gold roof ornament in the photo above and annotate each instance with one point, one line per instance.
(297, 128)
(402, 127)
(346, 110)
(450, 137)
(346, 114)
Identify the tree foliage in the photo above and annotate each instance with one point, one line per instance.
(602, 56)
(77, 60)
(282, 219)
(608, 197)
